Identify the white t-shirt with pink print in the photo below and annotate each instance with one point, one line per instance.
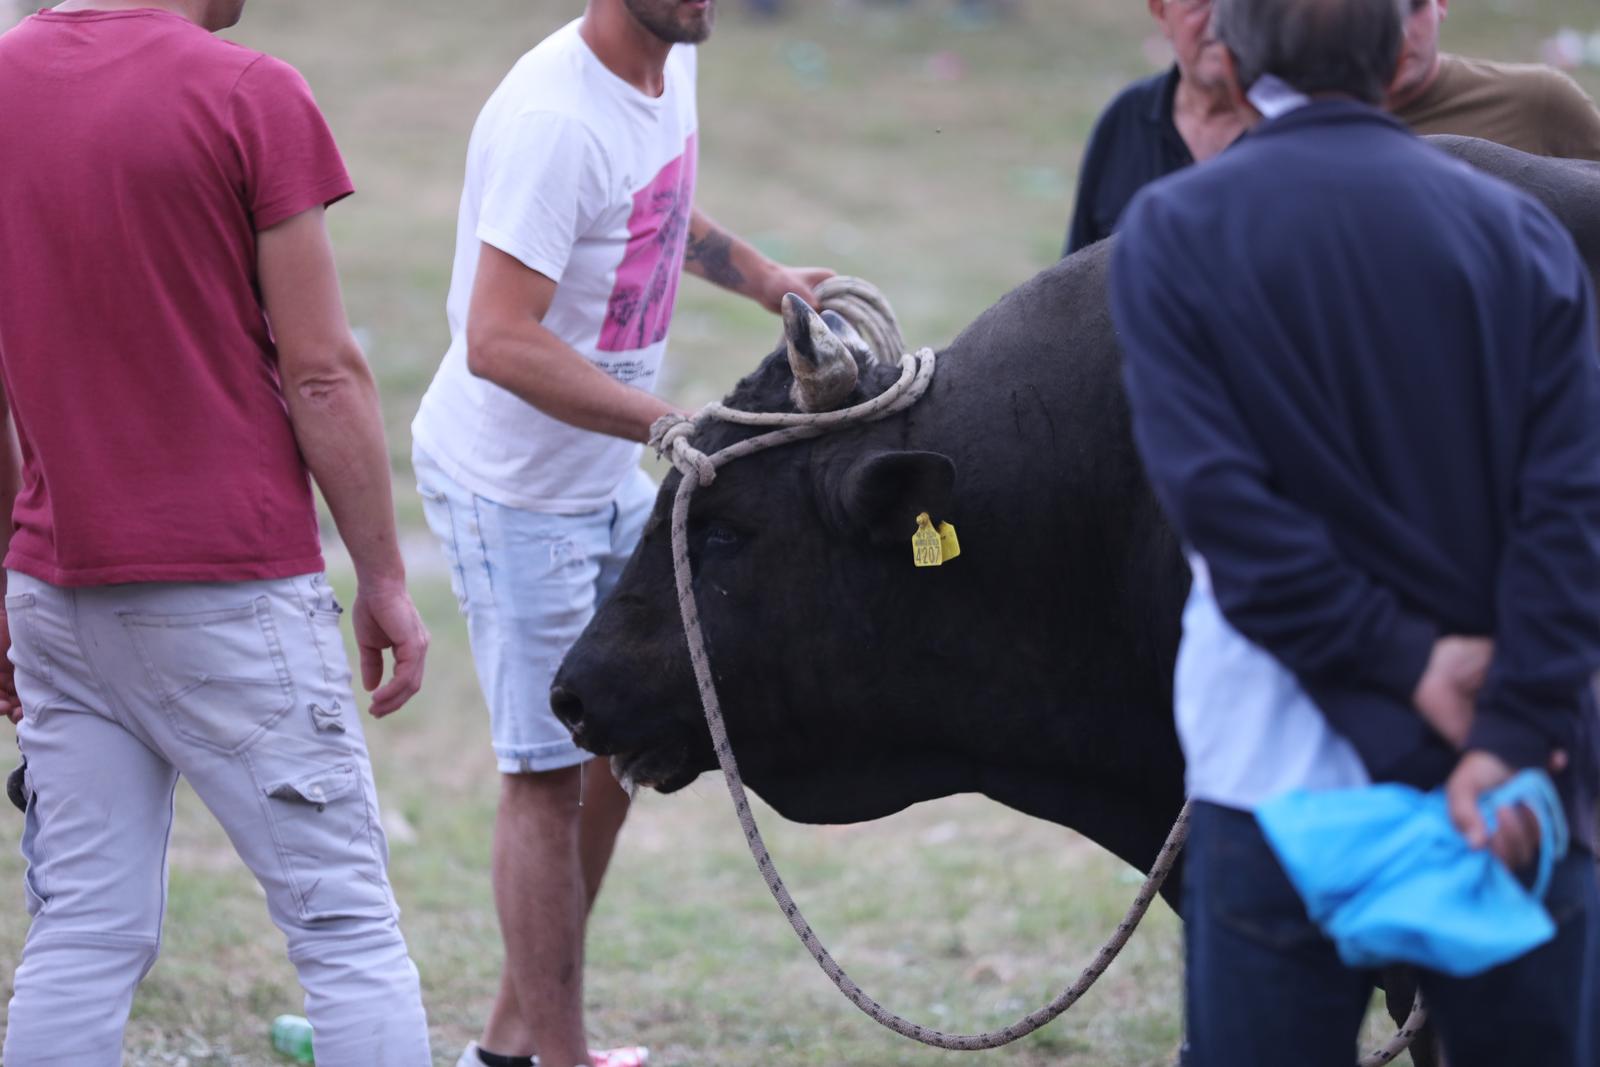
(590, 182)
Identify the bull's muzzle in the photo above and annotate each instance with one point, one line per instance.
(568, 707)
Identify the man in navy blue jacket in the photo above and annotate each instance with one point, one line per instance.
(1366, 385)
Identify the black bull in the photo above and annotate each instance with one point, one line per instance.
(1035, 669)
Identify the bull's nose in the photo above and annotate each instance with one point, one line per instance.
(568, 707)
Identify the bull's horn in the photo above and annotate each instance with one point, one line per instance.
(824, 370)
(841, 328)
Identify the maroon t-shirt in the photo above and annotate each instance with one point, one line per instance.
(141, 156)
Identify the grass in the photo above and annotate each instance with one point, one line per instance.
(930, 155)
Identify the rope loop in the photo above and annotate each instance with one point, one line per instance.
(867, 309)
(671, 434)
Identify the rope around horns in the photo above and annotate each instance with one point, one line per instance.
(865, 308)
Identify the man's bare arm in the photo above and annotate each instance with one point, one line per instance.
(508, 344)
(724, 259)
(333, 406)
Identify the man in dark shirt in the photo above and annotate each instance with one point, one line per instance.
(1363, 380)
(1156, 125)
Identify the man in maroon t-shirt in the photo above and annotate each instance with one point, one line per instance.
(176, 359)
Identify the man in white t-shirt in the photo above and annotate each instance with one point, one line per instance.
(576, 223)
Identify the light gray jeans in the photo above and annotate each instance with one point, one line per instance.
(244, 690)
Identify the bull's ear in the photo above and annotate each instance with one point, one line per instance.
(883, 493)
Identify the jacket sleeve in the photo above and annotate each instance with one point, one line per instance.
(1278, 577)
(1547, 590)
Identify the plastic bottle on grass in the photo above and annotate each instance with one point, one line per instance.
(291, 1035)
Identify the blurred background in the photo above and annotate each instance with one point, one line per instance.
(928, 145)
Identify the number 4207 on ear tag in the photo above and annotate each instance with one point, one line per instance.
(933, 548)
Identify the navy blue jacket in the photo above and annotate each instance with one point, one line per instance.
(1366, 386)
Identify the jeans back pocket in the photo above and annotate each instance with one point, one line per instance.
(220, 676)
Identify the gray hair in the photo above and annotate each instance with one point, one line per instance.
(1350, 47)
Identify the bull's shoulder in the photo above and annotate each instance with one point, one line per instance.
(1570, 188)
(1511, 163)
(1053, 332)
(1065, 298)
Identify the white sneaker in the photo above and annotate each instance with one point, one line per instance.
(470, 1057)
(629, 1056)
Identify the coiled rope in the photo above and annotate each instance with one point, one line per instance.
(866, 309)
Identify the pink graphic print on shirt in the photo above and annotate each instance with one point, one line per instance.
(640, 309)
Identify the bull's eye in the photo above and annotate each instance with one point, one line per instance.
(720, 536)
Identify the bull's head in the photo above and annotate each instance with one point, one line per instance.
(782, 543)
(1036, 668)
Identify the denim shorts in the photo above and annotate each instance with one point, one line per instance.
(528, 583)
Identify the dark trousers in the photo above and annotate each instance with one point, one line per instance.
(1265, 986)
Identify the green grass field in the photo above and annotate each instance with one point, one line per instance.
(935, 157)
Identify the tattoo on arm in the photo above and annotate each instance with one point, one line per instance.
(711, 256)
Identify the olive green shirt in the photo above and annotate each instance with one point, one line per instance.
(1532, 108)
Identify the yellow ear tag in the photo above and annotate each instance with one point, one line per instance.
(926, 549)
(950, 548)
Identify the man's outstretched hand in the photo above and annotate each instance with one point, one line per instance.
(802, 281)
(385, 617)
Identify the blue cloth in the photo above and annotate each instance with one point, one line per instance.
(1388, 877)
(1264, 985)
(1363, 379)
